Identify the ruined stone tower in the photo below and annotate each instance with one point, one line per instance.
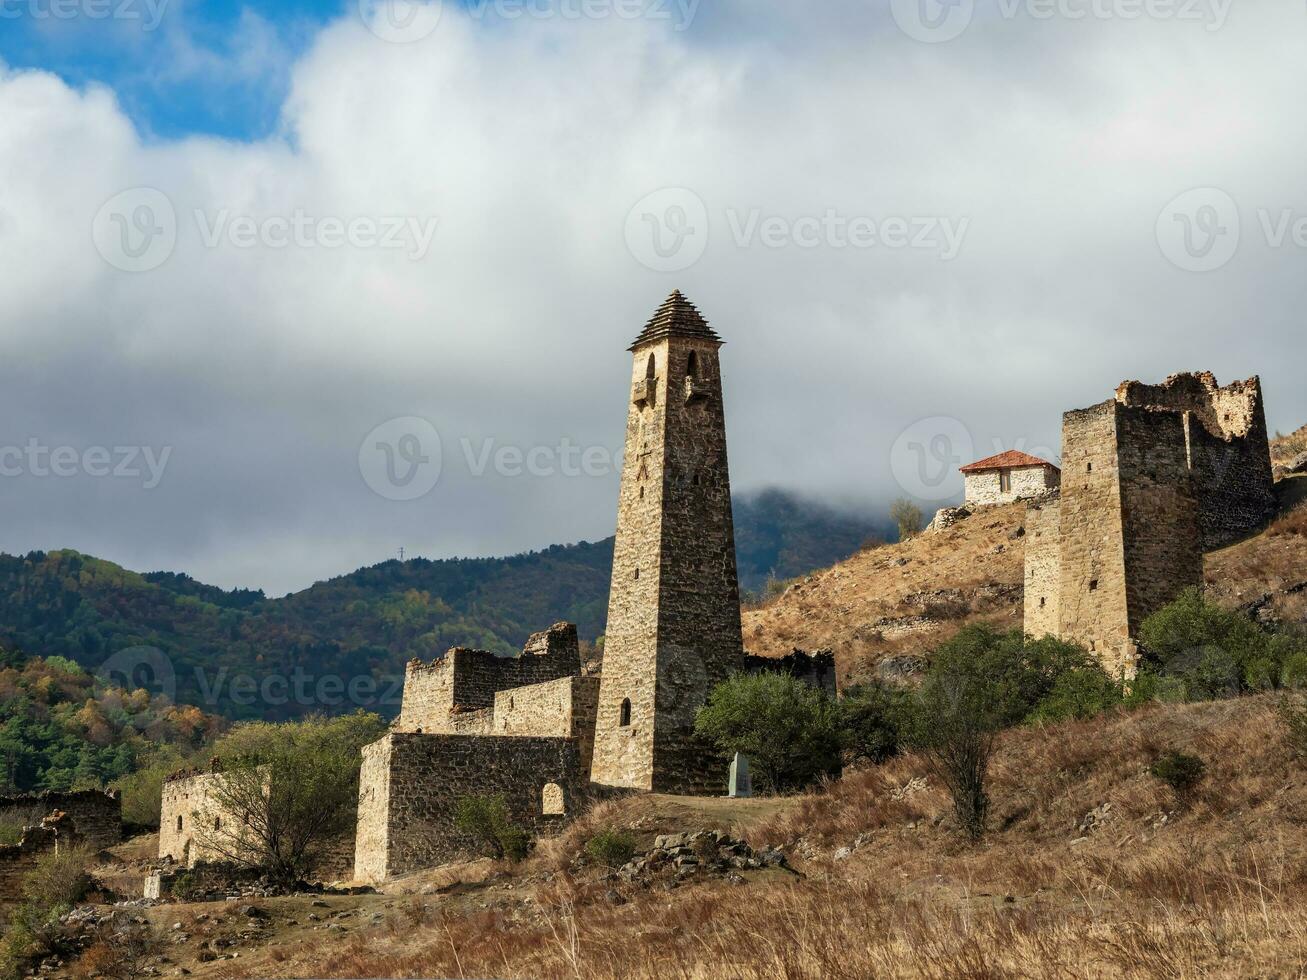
(1150, 480)
(674, 609)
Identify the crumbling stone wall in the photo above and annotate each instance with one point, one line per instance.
(1227, 449)
(54, 830)
(673, 629)
(411, 784)
(1150, 479)
(94, 815)
(564, 708)
(438, 695)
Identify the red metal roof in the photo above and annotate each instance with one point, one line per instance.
(1010, 460)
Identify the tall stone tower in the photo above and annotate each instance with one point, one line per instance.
(674, 608)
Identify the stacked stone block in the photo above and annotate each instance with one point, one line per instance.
(411, 784)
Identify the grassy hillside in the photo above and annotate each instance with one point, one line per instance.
(1092, 869)
(61, 730)
(365, 624)
(892, 602)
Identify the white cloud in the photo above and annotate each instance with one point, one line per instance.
(528, 141)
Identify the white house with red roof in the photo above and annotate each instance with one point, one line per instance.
(1009, 476)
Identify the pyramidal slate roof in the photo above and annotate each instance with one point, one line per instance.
(677, 317)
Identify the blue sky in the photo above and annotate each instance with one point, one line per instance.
(178, 67)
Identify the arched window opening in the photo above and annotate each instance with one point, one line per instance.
(650, 368)
(625, 719)
(179, 823)
(217, 823)
(551, 800)
(692, 366)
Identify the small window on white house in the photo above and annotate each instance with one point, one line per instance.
(1005, 481)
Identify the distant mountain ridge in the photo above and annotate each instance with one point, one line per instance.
(368, 623)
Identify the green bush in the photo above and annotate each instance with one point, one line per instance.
(611, 847)
(1212, 653)
(788, 729)
(870, 716)
(486, 819)
(1294, 674)
(1179, 771)
(1293, 713)
(982, 681)
(56, 883)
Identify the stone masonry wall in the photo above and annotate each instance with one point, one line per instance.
(1043, 566)
(189, 812)
(1160, 516)
(94, 815)
(564, 708)
(1225, 434)
(986, 487)
(1092, 593)
(411, 784)
(673, 628)
(467, 680)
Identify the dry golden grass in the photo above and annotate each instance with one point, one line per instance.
(1285, 448)
(930, 585)
(1215, 889)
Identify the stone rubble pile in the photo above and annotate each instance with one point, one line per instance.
(676, 858)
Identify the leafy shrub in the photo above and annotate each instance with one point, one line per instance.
(57, 882)
(486, 819)
(787, 728)
(982, 681)
(1213, 653)
(907, 515)
(870, 716)
(1179, 771)
(1294, 674)
(1293, 713)
(611, 847)
(59, 878)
